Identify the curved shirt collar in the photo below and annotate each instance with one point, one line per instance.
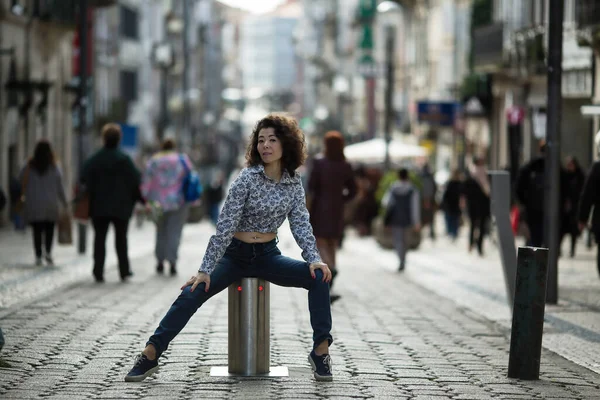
(285, 176)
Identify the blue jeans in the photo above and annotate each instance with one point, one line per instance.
(250, 260)
(452, 224)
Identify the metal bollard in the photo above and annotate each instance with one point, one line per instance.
(528, 314)
(500, 205)
(249, 349)
(249, 328)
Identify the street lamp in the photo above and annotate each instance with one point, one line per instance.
(388, 8)
(163, 59)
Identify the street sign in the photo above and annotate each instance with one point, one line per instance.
(368, 68)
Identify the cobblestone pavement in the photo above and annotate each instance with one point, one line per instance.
(572, 327)
(394, 339)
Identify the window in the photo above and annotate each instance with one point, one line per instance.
(129, 85)
(17, 7)
(129, 23)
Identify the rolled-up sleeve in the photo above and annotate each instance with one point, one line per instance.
(228, 222)
(300, 226)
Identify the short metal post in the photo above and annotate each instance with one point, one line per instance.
(249, 349)
(249, 327)
(528, 314)
(500, 204)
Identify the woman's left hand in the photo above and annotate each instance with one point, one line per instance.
(323, 267)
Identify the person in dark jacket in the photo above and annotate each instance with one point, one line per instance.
(451, 204)
(113, 185)
(530, 191)
(590, 197)
(573, 181)
(330, 185)
(477, 193)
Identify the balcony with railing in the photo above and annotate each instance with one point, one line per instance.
(488, 46)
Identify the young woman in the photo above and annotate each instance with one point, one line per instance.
(44, 193)
(245, 244)
(162, 182)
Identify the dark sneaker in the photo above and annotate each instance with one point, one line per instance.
(173, 269)
(333, 298)
(321, 366)
(160, 268)
(142, 369)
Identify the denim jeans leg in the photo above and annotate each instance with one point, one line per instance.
(288, 272)
(226, 272)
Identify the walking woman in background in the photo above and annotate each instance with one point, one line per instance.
(264, 194)
(162, 183)
(43, 193)
(330, 185)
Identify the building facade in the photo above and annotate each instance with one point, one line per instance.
(36, 59)
(511, 49)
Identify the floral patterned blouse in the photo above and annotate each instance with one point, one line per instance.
(257, 203)
(163, 179)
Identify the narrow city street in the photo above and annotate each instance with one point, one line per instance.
(440, 330)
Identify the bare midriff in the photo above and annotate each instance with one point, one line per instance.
(255, 237)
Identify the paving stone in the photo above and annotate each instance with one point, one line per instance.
(394, 339)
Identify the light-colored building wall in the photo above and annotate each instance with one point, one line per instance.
(267, 53)
(42, 53)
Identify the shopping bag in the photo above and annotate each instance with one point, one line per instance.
(81, 209)
(65, 232)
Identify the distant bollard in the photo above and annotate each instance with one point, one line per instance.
(528, 314)
(1, 340)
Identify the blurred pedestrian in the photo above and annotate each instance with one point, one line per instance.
(113, 186)
(330, 185)
(16, 211)
(530, 191)
(3, 200)
(451, 204)
(366, 204)
(477, 193)
(428, 200)
(214, 196)
(573, 186)
(402, 214)
(162, 184)
(590, 197)
(42, 196)
(264, 194)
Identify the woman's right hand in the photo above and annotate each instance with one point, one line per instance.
(197, 279)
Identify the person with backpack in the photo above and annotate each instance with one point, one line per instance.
(163, 185)
(403, 213)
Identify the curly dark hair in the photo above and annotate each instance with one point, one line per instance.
(292, 139)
